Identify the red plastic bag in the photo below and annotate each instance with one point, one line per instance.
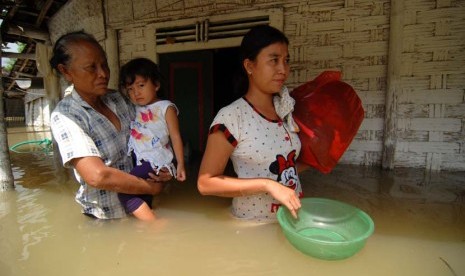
(329, 114)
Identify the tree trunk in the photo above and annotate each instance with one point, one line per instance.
(6, 175)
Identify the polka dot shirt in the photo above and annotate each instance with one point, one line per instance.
(264, 148)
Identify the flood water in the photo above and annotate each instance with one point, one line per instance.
(419, 227)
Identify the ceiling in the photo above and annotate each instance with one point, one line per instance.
(24, 21)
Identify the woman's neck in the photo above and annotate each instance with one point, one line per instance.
(263, 103)
(93, 100)
(259, 98)
(98, 105)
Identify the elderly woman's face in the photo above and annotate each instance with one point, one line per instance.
(88, 69)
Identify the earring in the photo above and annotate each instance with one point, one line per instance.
(248, 72)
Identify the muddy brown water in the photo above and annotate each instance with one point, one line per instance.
(419, 227)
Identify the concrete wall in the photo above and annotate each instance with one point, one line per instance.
(405, 59)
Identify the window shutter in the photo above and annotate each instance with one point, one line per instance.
(208, 30)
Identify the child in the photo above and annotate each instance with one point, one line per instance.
(154, 126)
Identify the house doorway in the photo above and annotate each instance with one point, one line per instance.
(200, 83)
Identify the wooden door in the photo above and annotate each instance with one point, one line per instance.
(188, 83)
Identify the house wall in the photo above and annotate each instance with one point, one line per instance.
(405, 59)
(37, 108)
(14, 112)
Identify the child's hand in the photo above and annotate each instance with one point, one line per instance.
(180, 173)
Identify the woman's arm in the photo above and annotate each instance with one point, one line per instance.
(176, 140)
(72, 138)
(211, 180)
(98, 175)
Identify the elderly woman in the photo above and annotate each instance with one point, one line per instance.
(91, 127)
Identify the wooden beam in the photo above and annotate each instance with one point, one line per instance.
(394, 87)
(16, 92)
(18, 55)
(6, 174)
(21, 74)
(13, 10)
(29, 32)
(36, 82)
(28, 51)
(43, 12)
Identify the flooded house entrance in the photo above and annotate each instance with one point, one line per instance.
(199, 83)
(199, 58)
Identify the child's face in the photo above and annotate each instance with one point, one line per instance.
(142, 91)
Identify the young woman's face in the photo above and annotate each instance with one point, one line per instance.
(142, 91)
(270, 69)
(87, 70)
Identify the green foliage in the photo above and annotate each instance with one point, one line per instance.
(21, 46)
(9, 64)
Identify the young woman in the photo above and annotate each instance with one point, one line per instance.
(258, 134)
(153, 130)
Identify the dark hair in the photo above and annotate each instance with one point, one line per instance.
(258, 38)
(142, 67)
(61, 53)
(253, 42)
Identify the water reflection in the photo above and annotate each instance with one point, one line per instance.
(406, 202)
(419, 227)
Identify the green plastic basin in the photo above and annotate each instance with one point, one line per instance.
(326, 229)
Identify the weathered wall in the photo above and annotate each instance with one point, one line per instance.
(78, 15)
(14, 112)
(37, 108)
(405, 59)
(430, 106)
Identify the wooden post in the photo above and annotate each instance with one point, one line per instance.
(111, 48)
(6, 174)
(393, 83)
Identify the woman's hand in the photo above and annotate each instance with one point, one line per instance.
(284, 195)
(156, 181)
(96, 174)
(163, 176)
